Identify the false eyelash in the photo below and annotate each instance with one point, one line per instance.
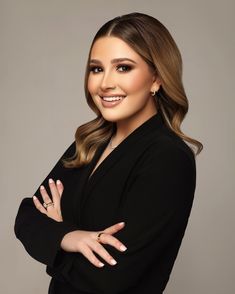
(128, 67)
(92, 68)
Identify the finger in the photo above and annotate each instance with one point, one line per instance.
(38, 205)
(54, 192)
(45, 196)
(111, 240)
(115, 228)
(91, 257)
(60, 187)
(102, 252)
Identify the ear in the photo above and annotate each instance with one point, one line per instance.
(156, 84)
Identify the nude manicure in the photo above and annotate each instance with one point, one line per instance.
(113, 262)
(123, 248)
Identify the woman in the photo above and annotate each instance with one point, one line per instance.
(111, 215)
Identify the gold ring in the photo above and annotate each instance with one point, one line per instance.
(48, 204)
(98, 237)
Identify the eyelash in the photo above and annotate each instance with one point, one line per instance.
(128, 68)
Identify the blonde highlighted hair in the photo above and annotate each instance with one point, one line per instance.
(152, 41)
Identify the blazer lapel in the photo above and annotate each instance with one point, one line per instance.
(83, 181)
(142, 134)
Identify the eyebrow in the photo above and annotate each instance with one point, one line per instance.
(115, 60)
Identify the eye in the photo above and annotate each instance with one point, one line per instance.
(95, 69)
(124, 67)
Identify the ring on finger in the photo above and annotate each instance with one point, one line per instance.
(99, 235)
(48, 204)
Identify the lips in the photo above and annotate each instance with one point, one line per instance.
(111, 100)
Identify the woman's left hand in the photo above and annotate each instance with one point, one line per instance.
(53, 211)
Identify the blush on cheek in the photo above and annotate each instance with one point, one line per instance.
(136, 82)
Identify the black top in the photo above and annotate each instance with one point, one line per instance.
(148, 181)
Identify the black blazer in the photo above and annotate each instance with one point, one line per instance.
(148, 181)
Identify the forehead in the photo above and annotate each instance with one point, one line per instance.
(108, 48)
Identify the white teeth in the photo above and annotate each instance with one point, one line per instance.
(114, 98)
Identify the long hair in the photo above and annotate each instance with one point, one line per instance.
(152, 41)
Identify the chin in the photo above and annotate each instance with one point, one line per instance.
(115, 117)
(111, 118)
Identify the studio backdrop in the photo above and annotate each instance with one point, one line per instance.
(43, 52)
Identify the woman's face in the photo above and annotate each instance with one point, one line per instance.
(120, 81)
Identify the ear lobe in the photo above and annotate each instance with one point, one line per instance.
(156, 85)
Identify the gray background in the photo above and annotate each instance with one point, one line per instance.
(43, 50)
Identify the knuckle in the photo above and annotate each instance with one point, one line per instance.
(43, 193)
(114, 240)
(97, 247)
(92, 258)
(103, 236)
(117, 243)
(117, 227)
(38, 207)
(108, 257)
(95, 261)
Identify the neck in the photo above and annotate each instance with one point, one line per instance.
(126, 126)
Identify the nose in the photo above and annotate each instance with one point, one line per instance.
(107, 81)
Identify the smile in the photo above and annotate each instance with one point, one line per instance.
(111, 101)
(112, 98)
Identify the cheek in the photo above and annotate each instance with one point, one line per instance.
(137, 82)
(91, 84)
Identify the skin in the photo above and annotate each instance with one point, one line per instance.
(134, 79)
(108, 77)
(81, 241)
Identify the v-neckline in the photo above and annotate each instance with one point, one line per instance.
(153, 121)
(97, 158)
(143, 133)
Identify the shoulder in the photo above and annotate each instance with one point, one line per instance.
(168, 151)
(70, 151)
(167, 164)
(169, 144)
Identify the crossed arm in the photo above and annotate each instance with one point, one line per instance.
(85, 242)
(151, 225)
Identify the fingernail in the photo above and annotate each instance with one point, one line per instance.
(101, 264)
(34, 197)
(113, 262)
(122, 223)
(123, 248)
(58, 182)
(42, 187)
(50, 181)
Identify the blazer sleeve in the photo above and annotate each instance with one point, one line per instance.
(155, 207)
(41, 235)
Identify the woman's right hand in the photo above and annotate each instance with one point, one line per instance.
(86, 242)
